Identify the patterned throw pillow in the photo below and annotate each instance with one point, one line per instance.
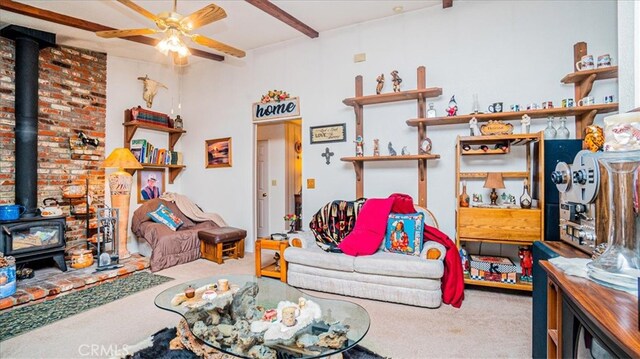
(404, 233)
(164, 215)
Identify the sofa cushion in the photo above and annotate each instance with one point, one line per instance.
(399, 265)
(368, 233)
(316, 257)
(404, 233)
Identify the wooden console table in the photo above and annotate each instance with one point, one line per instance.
(612, 314)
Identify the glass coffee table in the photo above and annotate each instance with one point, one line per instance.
(265, 318)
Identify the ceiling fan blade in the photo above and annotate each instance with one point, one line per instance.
(205, 41)
(140, 10)
(125, 33)
(204, 16)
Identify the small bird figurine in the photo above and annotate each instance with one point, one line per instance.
(392, 152)
(405, 151)
(380, 85)
(396, 80)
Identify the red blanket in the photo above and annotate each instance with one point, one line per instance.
(453, 278)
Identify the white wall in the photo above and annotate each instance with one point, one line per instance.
(510, 51)
(628, 48)
(276, 169)
(124, 91)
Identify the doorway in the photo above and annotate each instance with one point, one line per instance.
(278, 180)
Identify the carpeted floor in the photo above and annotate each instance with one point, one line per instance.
(20, 320)
(490, 324)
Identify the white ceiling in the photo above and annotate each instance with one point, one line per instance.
(246, 27)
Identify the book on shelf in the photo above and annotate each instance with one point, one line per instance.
(137, 148)
(146, 153)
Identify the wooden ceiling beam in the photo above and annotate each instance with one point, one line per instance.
(271, 9)
(447, 3)
(46, 15)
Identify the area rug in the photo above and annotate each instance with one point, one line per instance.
(20, 320)
(157, 346)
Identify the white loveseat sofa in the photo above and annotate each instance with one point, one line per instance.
(382, 276)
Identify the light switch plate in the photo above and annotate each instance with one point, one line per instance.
(311, 183)
(361, 57)
(274, 182)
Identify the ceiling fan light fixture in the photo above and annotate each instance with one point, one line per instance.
(173, 43)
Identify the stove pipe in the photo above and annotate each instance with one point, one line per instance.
(28, 43)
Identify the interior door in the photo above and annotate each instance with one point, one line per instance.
(262, 189)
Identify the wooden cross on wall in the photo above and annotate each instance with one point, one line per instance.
(327, 154)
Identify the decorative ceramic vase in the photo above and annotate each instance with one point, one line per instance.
(619, 265)
(550, 132)
(463, 200)
(562, 132)
(189, 292)
(525, 199)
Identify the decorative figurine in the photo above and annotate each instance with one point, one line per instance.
(431, 112)
(376, 147)
(396, 80)
(276, 258)
(392, 152)
(476, 105)
(477, 198)
(464, 258)
(473, 127)
(150, 89)
(452, 110)
(380, 85)
(526, 263)
(425, 146)
(327, 155)
(594, 138)
(359, 146)
(177, 122)
(525, 123)
(405, 151)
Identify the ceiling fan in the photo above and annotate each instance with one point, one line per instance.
(175, 27)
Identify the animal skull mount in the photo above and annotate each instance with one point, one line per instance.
(150, 89)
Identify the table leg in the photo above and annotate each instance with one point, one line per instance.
(258, 259)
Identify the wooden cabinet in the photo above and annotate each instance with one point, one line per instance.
(420, 95)
(174, 134)
(503, 225)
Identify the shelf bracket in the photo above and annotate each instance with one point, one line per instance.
(587, 119)
(585, 86)
(129, 132)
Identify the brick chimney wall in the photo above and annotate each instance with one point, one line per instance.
(73, 96)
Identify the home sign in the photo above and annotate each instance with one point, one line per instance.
(272, 110)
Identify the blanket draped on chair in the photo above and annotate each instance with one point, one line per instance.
(192, 210)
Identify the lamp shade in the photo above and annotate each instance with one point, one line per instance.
(494, 180)
(121, 158)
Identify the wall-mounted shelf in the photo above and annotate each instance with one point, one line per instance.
(130, 128)
(394, 97)
(602, 73)
(591, 110)
(419, 95)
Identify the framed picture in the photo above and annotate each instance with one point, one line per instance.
(328, 133)
(218, 152)
(150, 183)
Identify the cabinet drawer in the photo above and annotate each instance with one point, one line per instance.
(519, 225)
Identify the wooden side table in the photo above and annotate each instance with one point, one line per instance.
(269, 270)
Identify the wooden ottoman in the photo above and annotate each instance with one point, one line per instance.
(219, 242)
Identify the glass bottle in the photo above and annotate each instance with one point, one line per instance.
(562, 132)
(619, 265)
(525, 199)
(431, 112)
(550, 131)
(463, 199)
